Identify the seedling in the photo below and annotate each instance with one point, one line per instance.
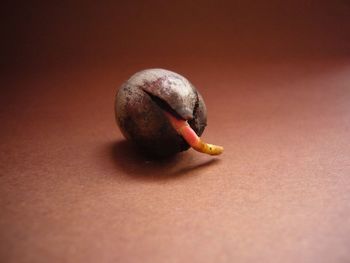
(162, 113)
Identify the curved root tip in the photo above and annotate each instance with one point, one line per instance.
(211, 149)
(184, 129)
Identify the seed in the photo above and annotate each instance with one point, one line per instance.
(151, 103)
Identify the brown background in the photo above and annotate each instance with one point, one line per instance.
(276, 79)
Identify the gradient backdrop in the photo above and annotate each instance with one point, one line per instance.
(276, 79)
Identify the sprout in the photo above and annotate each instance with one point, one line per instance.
(182, 128)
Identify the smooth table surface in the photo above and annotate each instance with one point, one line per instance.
(72, 189)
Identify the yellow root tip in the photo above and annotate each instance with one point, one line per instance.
(209, 148)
